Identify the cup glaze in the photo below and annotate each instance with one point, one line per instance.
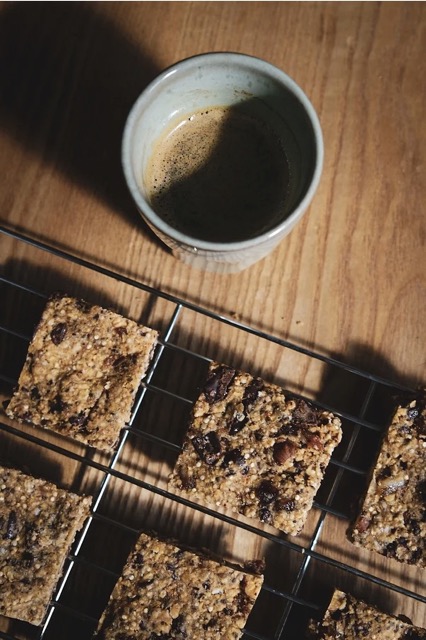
(225, 79)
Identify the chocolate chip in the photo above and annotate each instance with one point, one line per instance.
(237, 423)
(420, 424)
(217, 384)
(289, 429)
(78, 420)
(362, 629)
(144, 583)
(412, 523)
(266, 492)
(57, 405)
(124, 362)
(242, 600)
(11, 527)
(27, 559)
(386, 472)
(208, 447)
(58, 333)
(283, 450)
(251, 392)
(178, 626)
(412, 413)
(250, 396)
(120, 331)
(421, 490)
(234, 456)
(412, 634)
(83, 305)
(137, 560)
(35, 393)
(171, 566)
(336, 615)
(391, 549)
(211, 623)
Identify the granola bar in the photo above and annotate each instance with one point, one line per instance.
(349, 618)
(255, 449)
(82, 371)
(165, 592)
(392, 518)
(38, 523)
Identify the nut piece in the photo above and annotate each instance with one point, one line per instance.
(284, 450)
(58, 333)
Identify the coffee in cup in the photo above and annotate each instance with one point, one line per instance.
(222, 154)
(219, 174)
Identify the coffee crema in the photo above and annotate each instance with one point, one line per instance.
(220, 175)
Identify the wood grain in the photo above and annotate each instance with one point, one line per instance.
(349, 281)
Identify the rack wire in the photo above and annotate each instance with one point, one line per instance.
(298, 599)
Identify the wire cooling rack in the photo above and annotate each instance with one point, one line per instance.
(284, 605)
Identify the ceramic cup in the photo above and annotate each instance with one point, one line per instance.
(225, 79)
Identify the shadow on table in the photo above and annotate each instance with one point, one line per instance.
(68, 79)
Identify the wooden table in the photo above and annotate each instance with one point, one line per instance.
(348, 283)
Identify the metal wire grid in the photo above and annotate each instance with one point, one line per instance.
(286, 599)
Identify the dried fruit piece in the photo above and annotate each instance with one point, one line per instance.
(266, 492)
(12, 526)
(58, 333)
(285, 505)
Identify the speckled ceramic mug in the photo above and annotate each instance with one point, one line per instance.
(225, 80)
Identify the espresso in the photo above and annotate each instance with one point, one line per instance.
(219, 175)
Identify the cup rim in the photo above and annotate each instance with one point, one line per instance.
(146, 210)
